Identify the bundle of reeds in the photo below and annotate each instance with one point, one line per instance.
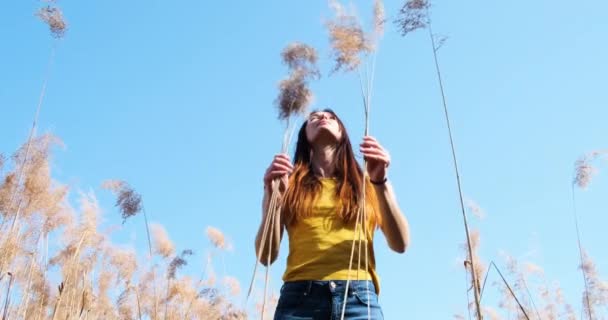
(294, 98)
(354, 49)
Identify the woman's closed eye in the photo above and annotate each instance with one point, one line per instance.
(317, 116)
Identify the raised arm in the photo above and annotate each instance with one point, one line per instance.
(394, 224)
(278, 170)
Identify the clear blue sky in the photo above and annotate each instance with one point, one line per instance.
(177, 99)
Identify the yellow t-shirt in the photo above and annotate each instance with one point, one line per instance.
(320, 244)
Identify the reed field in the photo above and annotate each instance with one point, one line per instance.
(60, 257)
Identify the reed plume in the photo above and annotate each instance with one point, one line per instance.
(161, 243)
(379, 18)
(413, 15)
(475, 209)
(178, 262)
(53, 17)
(294, 93)
(217, 238)
(347, 38)
(584, 168)
(300, 56)
(233, 285)
(127, 200)
(595, 295)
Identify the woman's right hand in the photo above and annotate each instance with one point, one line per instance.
(279, 168)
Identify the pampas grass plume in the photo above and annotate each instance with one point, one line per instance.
(178, 262)
(161, 242)
(584, 170)
(475, 209)
(300, 56)
(233, 285)
(127, 200)
(413, 16)
(379, 18)
(347, 39)
(53, 17)
(217, 238)
(294, 95)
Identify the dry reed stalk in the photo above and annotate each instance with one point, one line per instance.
(584, 170)
(349, 43)
(67, 283)
(8, 295)
(521, 283)
(293, 99)
(130, 204)
(269, 226)
(23, 305)
(54, 18)
(471, 249)
(415, 15)
(138, 299)
(509, 292)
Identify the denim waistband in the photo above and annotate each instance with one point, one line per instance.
(308, 286)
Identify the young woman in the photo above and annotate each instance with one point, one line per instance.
(320, 197)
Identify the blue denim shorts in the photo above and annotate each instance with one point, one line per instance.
(323, 300)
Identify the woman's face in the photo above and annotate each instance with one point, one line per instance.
(323, 127)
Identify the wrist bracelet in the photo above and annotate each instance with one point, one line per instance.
(379, 183)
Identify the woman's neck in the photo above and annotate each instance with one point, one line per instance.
(323, 161)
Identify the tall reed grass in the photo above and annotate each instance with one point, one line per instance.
(59, 263)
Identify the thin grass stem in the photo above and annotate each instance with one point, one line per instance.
(476, 289)
(580, 251)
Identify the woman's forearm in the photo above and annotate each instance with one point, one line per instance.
(394, 224)
(270, 242)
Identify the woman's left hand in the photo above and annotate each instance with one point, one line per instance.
(377, 158)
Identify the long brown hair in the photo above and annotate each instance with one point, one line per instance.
(304, 186)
